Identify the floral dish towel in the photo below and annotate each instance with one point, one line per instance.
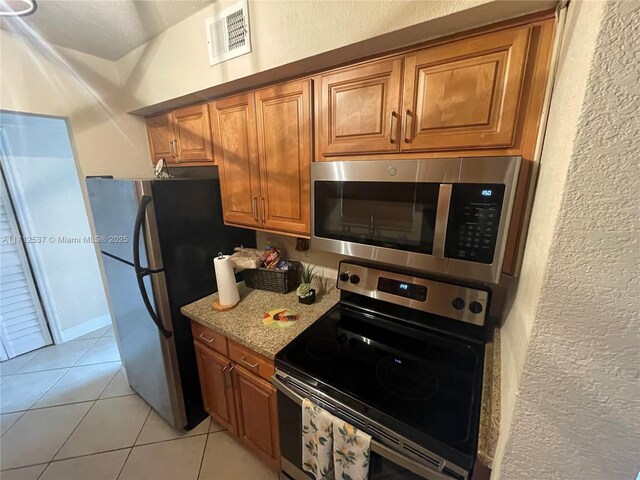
(317, 441)
(351, 451)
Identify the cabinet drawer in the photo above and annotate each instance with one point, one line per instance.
(210, 338)
(251, 360)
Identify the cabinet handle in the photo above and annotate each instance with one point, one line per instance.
(250, 365)
(227, 375)
(264, 211)
(391, 140)
(406, 121)
(171, 148)
(175, 151)
(208, 340)
(255, 208)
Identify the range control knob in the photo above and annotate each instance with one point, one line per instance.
(354, 279)
(344, 276)
(475, 307)
(458, 303)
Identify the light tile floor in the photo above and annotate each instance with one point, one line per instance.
(67, 413)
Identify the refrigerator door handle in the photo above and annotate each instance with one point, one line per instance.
(142, 272)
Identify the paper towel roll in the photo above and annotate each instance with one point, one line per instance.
(227, 287)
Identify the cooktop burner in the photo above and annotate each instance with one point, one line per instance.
(405, 378)
(426, 381)
(323, 348)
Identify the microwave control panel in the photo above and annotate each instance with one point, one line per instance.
(474, 218)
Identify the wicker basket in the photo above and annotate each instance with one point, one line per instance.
(273, 280)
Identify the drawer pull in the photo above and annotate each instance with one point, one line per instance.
(250, 365)
(226, 371)
(208, 340)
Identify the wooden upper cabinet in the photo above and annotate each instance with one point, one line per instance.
(284, 149)
(257, 415)
(216, 383)
(192, 134)
(464, 94)
(235, 146)
(160, 134)
(358, 109)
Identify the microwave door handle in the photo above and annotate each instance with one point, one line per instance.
(442, 219)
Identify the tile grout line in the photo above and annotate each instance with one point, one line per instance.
(33, 406)
(59, 368)
(58, 451)
(111, 450)
(14, 423)
(134, 443)
(91, 347)
(109, 382)
(117, 449)
(30, 408)
(45, 348)
(204, 450)
(73, 431)
(33, 409)
(42, 349)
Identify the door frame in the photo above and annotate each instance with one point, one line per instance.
(34, 290)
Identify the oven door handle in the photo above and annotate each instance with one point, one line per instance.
(377, 447)
(442, 219)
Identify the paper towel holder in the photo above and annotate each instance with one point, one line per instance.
(217, 306)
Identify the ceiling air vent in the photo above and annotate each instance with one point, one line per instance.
(228, 33)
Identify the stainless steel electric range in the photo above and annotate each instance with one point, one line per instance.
(400, 357)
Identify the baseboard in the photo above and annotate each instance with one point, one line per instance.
(86, 327)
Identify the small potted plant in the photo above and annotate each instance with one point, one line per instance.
(306, 294)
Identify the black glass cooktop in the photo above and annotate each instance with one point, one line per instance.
(426, 381)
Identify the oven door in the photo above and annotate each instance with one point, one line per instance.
(448, 216)
(384, 462)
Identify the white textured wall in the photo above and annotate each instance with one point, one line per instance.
(574, 64)
(576, 413)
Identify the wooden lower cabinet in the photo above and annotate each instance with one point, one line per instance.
(242, 401)
(257, 415)
(217, 386)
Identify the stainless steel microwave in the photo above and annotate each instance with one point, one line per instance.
(447, 216)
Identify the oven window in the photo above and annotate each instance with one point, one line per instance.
(398, 215)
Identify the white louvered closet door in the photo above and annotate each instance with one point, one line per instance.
(23, 326)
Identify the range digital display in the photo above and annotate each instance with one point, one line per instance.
(402, 289)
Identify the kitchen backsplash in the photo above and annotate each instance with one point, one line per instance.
(326, 262)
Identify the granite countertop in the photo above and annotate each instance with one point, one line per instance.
(490, 413)
(243, 324)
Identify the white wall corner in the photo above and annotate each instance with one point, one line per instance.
(570, 404)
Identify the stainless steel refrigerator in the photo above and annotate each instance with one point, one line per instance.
(158, 239)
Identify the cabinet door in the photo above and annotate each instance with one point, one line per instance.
(160, 134)
(358, 109)
(284, 146)
(217, 387)
(257, 415)
(235, 146)
(192, 134)
(464, 94)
